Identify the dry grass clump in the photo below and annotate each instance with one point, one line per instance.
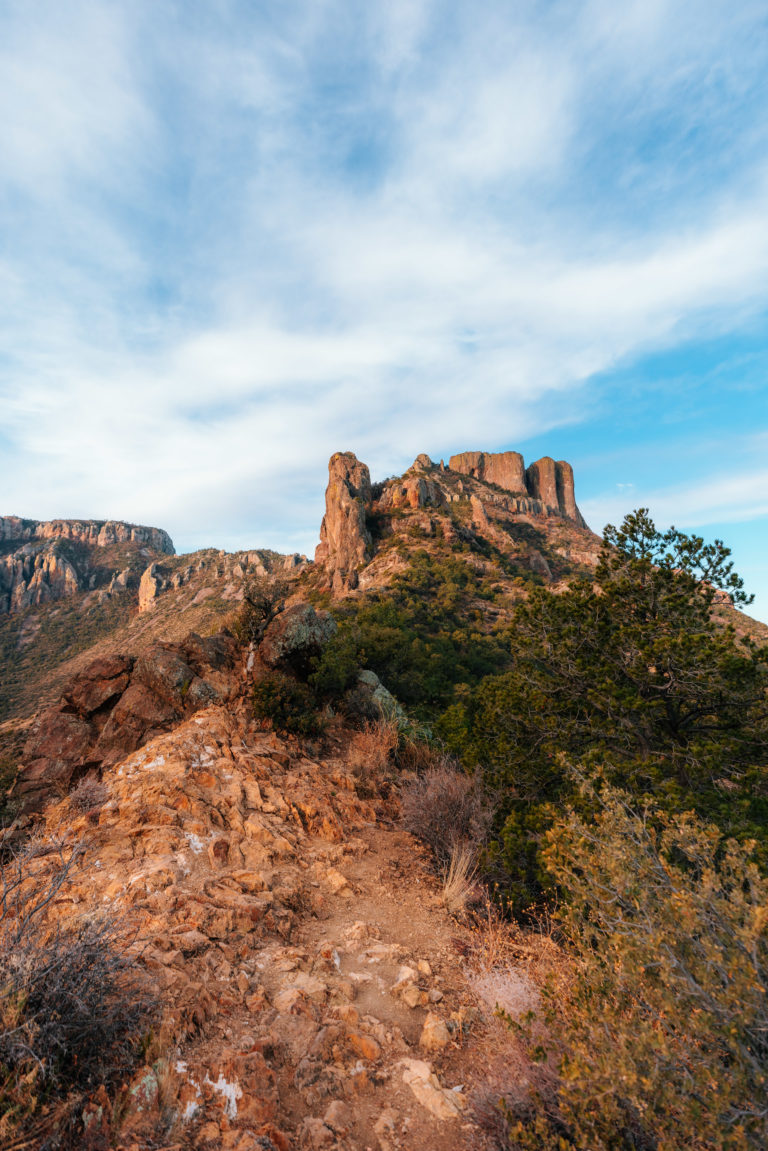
(89, 795)
(460, 878)
(370, 753)
(446, 808)
(72, 1004)
(509, 966)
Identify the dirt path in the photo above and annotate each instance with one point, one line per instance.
(317, 993)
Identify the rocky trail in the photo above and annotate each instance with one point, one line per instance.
(316, 992)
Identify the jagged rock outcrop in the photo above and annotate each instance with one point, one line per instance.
(546, 480)
(506, 469)
(500, 491)
(51, 560)
(542, 481)
(29, 577)
(97, 533)
(115, 705)
(345, 541)
(417, 489)
(566, 497)
(150, 585)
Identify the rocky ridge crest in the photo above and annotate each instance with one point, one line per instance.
(44, 561)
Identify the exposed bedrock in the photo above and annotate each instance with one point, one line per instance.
(115, 705)
(345, 542)
(542, 481)
(546, 480)
(507, 469)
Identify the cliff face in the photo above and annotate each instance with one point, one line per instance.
(345, 541)
(494, 493)
(45, 561)
(96, 533)
(546, 480)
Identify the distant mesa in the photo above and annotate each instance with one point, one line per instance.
(37, 566)
(543, 490)
(97, 533)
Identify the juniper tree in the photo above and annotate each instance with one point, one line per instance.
(633, 666)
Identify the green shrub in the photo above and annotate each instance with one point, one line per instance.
(290, 705)
(423, 636)
(663, 1043)
(639, 673)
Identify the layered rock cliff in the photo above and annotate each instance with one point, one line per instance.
(43, 561)
(484, 493)
(97, 533)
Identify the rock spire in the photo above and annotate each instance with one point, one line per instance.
(345, 541)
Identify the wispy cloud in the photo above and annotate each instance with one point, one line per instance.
(237, 238)
(728, 497)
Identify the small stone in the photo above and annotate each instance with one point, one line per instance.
(435, 996)
(337, 882)
(364, 1046)
(257, 1001)
(412, 996)
(337, 1117)
(348, 1014)
(405, 977)
(426, 1087)
(315, 1136)
(434, 1035)
(423, 967)
(360, 931)
(384, 1128)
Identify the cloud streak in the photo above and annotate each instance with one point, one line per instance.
(238, 238)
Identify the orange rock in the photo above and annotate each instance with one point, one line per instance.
(364, 1046)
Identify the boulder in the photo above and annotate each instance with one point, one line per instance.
(99, 685)
(295, 636)
(165, 672)
(384, 703)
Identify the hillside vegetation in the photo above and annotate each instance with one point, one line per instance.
(577, 731)
(621, 727)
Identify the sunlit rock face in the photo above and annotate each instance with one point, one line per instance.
(345, 541)
(547, 480)
(48, 560)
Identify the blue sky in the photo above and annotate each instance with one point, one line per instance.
(237, 237)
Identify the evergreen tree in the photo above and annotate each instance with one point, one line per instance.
(634, 668)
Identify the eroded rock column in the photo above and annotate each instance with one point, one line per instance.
(345, 542)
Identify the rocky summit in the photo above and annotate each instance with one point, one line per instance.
(494, 494)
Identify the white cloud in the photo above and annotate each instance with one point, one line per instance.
(728, 497)
(206, 288)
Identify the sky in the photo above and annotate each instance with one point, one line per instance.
(238, 237)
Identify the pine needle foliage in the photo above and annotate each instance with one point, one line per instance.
(664, 1042)
(633, 667)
